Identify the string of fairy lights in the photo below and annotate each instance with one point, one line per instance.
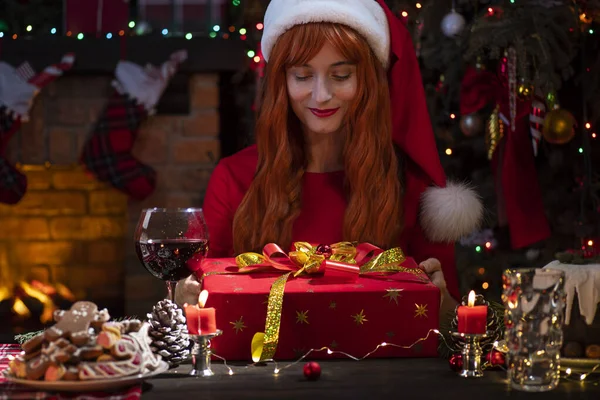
(568, 374)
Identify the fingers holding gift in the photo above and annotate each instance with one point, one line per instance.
(433, 269)
(187, 291)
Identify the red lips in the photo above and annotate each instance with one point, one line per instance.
(324, 113)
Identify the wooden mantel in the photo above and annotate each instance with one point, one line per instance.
(100, 55)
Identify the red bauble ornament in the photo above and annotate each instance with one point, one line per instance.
(496, 358)
(312, 370)
(456, 362)
(324, 250)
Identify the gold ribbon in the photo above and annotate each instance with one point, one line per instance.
(307, 259)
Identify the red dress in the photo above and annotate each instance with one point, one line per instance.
(320, 220)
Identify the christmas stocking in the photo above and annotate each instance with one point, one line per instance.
(107, 152)
(18, 88)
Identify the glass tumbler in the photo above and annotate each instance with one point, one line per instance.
(534, 301)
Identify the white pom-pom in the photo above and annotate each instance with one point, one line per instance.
(449, 213)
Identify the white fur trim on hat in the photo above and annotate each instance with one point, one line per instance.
(365, 16)
(449, 213)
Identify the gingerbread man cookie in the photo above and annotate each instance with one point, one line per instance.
(74, 324)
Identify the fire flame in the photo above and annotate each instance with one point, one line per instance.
(471, 299)
(43, 298)
(37, 290)
(4, 293)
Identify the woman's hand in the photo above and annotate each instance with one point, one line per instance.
(187, 291)
(433, 269)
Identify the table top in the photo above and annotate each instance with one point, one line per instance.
(424, 378)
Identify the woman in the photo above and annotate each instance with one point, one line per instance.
(342, 153)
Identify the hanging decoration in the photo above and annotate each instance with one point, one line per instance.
(509, 149)
(107, 152)
(18, 88)
(536, 120)
(472, 125)
(494, 132)
(452, 24)
(559, 126)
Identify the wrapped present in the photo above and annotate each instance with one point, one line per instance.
(96, 16)
(279, 306)
(183, 15)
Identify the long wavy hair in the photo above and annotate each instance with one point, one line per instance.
(273, 201)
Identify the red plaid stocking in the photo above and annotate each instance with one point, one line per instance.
(18, 87)
(107, 152)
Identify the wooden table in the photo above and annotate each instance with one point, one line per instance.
(369, 379)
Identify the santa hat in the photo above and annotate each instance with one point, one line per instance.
(446, 210)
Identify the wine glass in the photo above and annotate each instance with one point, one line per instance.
(171, 243)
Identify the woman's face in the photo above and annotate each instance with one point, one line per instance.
(322, 90)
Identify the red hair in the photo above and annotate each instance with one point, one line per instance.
(273, 201)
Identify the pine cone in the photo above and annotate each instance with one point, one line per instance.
(494, 325)
(168, 331)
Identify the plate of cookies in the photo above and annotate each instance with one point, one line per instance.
(85, 351)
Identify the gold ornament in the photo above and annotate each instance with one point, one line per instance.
(559, 126)
(471, 125)
(525, 89)
(494, 132)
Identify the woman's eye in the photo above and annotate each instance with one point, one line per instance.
(302, 77)
(341, 77)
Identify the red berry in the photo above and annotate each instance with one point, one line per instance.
(455, 362)
(312, 370)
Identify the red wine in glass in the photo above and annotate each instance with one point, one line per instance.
(171, 259)
(171, 243)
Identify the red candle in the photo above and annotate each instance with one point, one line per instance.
(192, 316)
(472, 319)
(200, 320)
(208, 323)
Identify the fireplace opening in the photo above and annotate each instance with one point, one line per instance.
(29, 304)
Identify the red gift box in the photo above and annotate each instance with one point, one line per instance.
(318, 311)
(96, 16)
(188, 15)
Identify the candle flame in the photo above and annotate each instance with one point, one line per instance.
(471, 299)
(202, 298)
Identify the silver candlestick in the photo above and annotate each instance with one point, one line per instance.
(471, 354)
(201, 354)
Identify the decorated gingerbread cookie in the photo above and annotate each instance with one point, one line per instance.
(75, 323)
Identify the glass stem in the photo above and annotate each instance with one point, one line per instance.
(171, 289)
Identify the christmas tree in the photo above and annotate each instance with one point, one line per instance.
(514, 95)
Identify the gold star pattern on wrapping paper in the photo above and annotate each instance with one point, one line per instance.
(359, 286)
(393, 294)
(360, 318)
(391, 334)
(302, 317)
(421, 310)
(332, 305)
(310, 291)
(333, 345)
(238, 289)
(238, 325)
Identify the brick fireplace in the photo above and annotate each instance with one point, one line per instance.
(73, 230)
